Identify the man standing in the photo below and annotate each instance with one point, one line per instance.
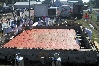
(4, 27)
(30, 23)
(39, 22)
(56, 60)
(88, 31)
(15, 30)
(19, 60)
(46, 21)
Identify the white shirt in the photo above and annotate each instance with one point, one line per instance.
(35, 24)
(10, 22)
(59, 59)
(4, 25)
(89, 32)
(16, 18)
(19, 58)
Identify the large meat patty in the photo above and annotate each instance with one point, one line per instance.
(45, 39)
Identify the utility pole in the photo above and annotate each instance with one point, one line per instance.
(53, 2)
(29, 9)
(29, 13)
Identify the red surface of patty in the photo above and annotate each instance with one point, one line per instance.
(45, 39)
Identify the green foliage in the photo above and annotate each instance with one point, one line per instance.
(47, 2)
(94, 3)
(0, 4)
(95, 35)
(13, 1)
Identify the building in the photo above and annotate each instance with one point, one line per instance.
(21, 5)
(58, 3)
(64, 2)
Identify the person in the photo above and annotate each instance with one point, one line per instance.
(10, 21)
(18, 58)
(98, 17)
(88, 11)
(4, 27)
(9, 30)
(18, 22)
(15, 30)
(39, 22)
(49, 22)
(86, 16)
(46, 21)
(77, 41)
(0, 27)
(19, 29)
(31, 23)
(56, 60)
(88, 31)
(44, 18)
(26, 24)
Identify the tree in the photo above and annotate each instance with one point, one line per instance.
(95, 3)
(47, 2)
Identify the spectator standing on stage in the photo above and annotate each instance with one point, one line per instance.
(10, 22)
(20, 26)
(44, 18)
(15, 30)
(88, 32)
(39, 22)
(46, 21)
(31, 23)
(27, 24)
(18, 22)
(4, 27)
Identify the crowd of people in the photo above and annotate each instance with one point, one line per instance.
(19, 24)
(16, 26)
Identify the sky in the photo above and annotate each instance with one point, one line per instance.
(85, 0)
(66, 0)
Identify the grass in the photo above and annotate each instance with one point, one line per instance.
(0, 4)
(95, 35)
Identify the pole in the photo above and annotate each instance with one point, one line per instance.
(53, 2)
(29, 9)
(29, 13)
